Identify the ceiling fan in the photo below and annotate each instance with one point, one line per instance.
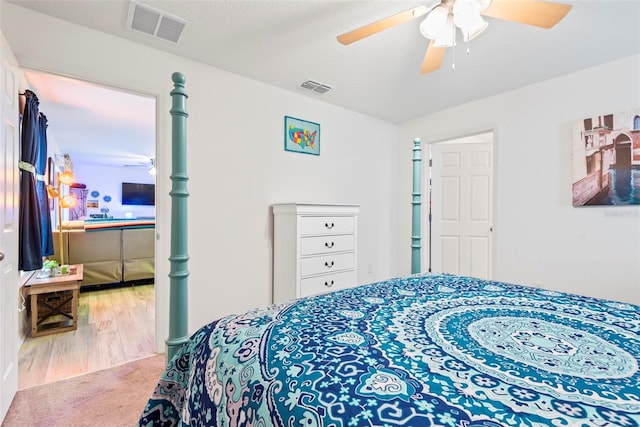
(150, 165)
(444, 18)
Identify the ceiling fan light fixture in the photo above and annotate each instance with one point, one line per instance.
(465, 12)
(435, 22)
(475, 29)
(447, 37)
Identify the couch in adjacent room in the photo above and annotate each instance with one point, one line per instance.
(112, 251)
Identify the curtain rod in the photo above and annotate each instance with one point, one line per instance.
(28, 93)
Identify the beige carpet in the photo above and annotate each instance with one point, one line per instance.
(111, 397)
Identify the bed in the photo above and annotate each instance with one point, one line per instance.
(423, 350)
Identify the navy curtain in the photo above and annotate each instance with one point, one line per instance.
(30, 235)
(41, 186)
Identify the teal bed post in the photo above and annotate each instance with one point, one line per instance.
(416, 202)
(178, 299)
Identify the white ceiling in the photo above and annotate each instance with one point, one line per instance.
(284, 43)
(96, 132)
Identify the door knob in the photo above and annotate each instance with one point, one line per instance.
(1, 256)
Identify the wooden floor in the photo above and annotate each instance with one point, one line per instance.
(114, 326)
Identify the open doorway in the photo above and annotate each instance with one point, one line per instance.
(109, 135)
(460, 206)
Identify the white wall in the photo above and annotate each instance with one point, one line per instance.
(539, 237)
(236, 162)
(108, 181)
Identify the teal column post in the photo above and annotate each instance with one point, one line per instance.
(178, 302)
(417, 203)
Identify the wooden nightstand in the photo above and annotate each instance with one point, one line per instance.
(54, 302)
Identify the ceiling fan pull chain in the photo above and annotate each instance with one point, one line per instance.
(453, 50)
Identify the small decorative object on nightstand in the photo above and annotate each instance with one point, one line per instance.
(314, 249)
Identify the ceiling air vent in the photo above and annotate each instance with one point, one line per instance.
(155, 22)
(315, 86)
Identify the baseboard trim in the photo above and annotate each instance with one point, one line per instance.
(99, 287)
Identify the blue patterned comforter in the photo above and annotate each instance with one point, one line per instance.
(426, 350)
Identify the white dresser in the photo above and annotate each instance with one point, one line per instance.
(314, 249)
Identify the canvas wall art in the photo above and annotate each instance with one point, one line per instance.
(606, 160)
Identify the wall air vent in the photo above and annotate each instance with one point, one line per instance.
(315, 86)
(154, 22)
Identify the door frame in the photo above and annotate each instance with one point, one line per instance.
(159, 168)
(482, 136)
(9, 235)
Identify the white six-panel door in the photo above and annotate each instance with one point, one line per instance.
(462, 201)
(9, 156)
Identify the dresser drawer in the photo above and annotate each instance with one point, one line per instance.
(326, 244)
(326, 264)
(310, 225)
(327, 283)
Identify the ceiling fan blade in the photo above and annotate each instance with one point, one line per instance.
(383, 24)
(538, 13)
(433, 58)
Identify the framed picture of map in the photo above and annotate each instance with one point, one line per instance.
(301, 136)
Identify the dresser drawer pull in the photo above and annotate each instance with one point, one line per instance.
(329, 226)
(326, 264)
(327, 245)
(328, 284)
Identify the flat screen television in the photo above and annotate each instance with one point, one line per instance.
(138, 194)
